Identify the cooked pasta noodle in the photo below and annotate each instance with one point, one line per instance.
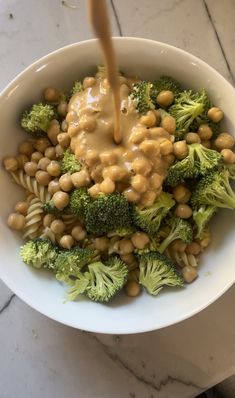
(69, 221)
(33, 219)
(31, 185)
(49, 234)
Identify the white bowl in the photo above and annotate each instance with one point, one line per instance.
(148, 59)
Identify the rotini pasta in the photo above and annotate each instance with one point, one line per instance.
(184, 259)
(33, 219)
(69, 221)
(31, 185)
(49, 234)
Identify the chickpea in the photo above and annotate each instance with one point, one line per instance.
(50, 153)
(132, 288)
(73, 129)
(224, 141)
(166, 147)
(65, 182)
(51, 94)
(62, 108)
(108, 158)
(180, 149)
(206, 143)
(43, 163)
(124, 90)
(21, 160)
(96, 173)
(141, 166)
(205, 132)
(54, 168)
(53, 132)
(26, 147)
(21, 207)
(148, 198)
(53, 187)
(59, 150)
(102, 244)
(87, 123)
(88, 82)
(126, 246)
(67, 241)
(63, 139)
(115, 173)
(140, 240)
(107, 186)
(36, 156)
(139, 183)
(165, 98)
(155, 181)
(129, 259)
(42, 177)
(91, 157)
(128, 156)
(157, 132)
(183, 211)
(57, 226)
(131, 195)
(189, 274)
(47, 220)
(71, 116)
(138, 135)
(149, 119)
(30, 168)
(150, 147)
(64, 126)
(94, 190)
(215, 114)
(192, 138)
(60, 199)
(178, 246)
(169, 159)
(41, 144)
(228, 156)
(181, 194)
(10, 164)
(78, 233)
(16, 221)
(193, 248)
(168, 123)
(79, 151)
(81, 178)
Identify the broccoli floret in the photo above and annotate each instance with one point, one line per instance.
(106, 279)
(199, 161)
(201, 217)
(39, 253)
(142, 96)
(180, 229)
(166, 83)
(124, 231)
(69, 163)
(107, 213)
(79, 201)
(36, 121)
(68, 263)
(78, 285)
(189, 108)
(157, 271)
(49, 207)
(214, 189)
(77, 87)
(149, 219)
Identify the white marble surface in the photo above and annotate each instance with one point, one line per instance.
(40, 358)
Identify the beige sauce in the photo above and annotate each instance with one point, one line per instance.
(100, 22)
(137, 166)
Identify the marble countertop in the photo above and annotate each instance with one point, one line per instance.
(41, 358)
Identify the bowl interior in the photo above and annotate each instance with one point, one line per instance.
(148, 60)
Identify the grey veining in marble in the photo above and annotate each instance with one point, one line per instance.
(40, 358)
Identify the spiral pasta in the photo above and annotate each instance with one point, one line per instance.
(33, 219)
(185, 259)
(49, 234)
(69, 221)
(31, 185)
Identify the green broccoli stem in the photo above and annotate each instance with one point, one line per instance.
(170, 238)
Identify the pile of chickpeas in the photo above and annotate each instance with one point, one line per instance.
(141, 182)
